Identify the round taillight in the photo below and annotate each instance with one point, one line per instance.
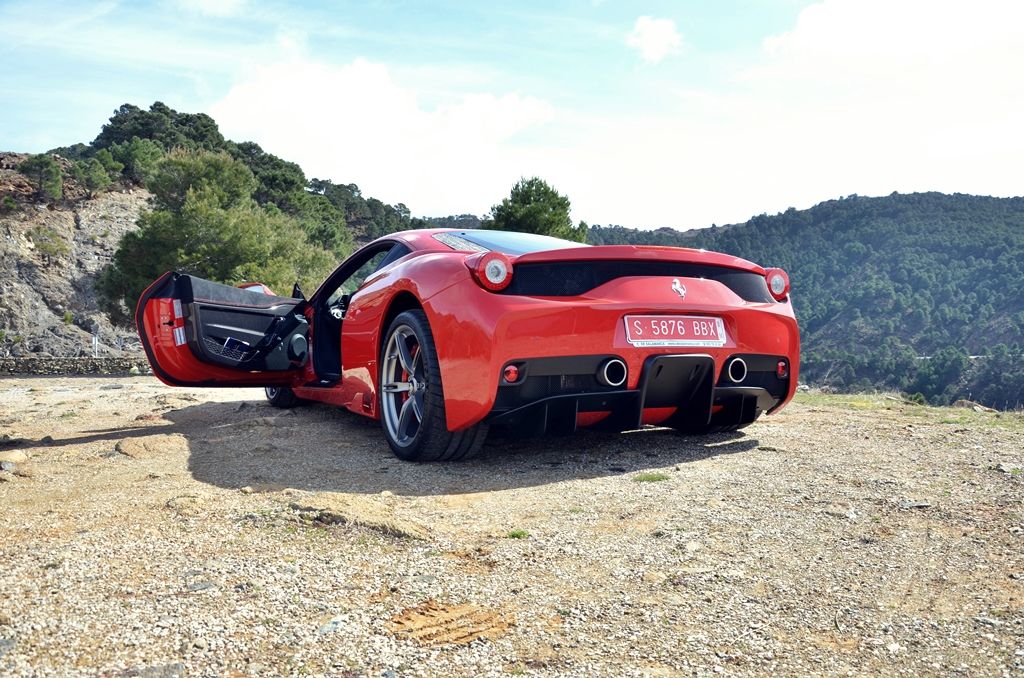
(492, 270)
(510, 374)
(778, 283)
(496, 271)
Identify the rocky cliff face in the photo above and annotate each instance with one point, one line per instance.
(50, 256)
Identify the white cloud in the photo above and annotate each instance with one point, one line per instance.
(220, 8)
(354, 123)
(860, 96)
(655, 39)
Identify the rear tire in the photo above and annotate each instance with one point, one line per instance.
(281, 396)
(411, 398)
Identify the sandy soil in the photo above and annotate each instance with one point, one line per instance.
(150, 531)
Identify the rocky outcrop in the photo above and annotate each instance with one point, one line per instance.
(50, 258)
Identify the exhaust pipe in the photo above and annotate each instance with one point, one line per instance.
(737, 370)
(612, 372)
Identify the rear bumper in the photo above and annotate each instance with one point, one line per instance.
(558, 395)
(477, 333)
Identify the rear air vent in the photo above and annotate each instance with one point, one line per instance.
(573, 278)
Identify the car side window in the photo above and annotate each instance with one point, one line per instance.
(376, 262)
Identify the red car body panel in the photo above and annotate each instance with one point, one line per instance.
(173, 363)
(477, 332)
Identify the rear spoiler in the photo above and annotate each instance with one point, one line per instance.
(643, 253)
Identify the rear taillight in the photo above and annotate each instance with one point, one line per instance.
(778, 283)
(493, 270)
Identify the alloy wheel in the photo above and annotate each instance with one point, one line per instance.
(403, 386)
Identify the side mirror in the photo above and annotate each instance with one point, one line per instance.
(297, 292)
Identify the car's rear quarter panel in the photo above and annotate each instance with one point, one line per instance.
(421, 275)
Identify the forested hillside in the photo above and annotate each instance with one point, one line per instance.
(923, 293)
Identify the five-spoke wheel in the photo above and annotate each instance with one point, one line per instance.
(403, 386)
(412, 407)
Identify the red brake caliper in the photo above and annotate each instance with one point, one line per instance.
(405, 375)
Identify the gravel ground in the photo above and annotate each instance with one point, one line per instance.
(149, 531)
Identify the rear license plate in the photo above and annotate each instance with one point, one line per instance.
(674, 330)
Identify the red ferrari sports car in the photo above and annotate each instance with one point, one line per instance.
(443, 334)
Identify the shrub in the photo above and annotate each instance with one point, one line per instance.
(44, 173)
(112, 167)
(49, 242)
(91, 174)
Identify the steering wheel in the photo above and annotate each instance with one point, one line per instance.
(338, 308)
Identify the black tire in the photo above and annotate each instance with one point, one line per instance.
(411, 396)
(281, 396)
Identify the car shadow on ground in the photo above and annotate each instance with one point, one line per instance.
(322, 448)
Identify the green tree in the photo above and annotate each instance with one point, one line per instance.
(325, 224)
(139, 157)
(535, 207)
(162, 125)
(44, 173)
(206, 224)
(282, 185)
(90, 174)
(112, 167)
(73, 152)
(366, 218)
(280, 182)
(215, 175)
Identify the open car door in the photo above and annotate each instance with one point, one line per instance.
(201, 333)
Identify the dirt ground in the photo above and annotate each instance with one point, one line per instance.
(150, 531)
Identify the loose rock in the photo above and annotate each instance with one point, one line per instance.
(13, 456)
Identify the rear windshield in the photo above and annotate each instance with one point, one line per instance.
(506, 242)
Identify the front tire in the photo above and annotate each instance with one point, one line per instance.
(281, 396)
(411, 398)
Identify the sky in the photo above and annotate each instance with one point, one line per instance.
(645, 114)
